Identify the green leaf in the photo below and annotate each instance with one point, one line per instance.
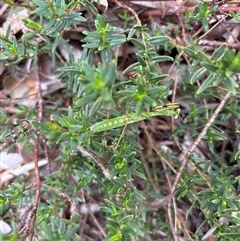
(137, 43)
(209, 66)
(31, 24)
(74, 128)
(190, 52)
(3, 115)
(141, 60)
(204, 57)
(86, 99)
(56, 42)
(117, 41)
(206, 83)
(70, 233)
(235, 64)
(91, 45)
(131, 33)
(159, 59)
(95, 107)
(4, 206)
(197, 75)
(109, 79)
(231, 85)
(237, 155)
(150, 101)
(8, 31)
(218, 52)
(75, 17)
(116, 237)
(159, 39)
(235, 15)
(131, 67)
(70, 114)
(48, 232)
(205, 24)
(127, 219)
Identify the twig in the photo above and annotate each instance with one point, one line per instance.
(169, 209)
(82, 196)
(205, 42)
(159, 203)
(213, 27)
(99, 162)
(3, 9)
(46, 155)
(32, 218)
(14, 87)
(185, 38)
(191, 150)
(65, 195)
(129, 9)
(181, 10)
(92, 215)
(169, 212)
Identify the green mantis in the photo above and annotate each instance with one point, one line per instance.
(170, 109)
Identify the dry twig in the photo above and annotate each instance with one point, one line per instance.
(32, 218)
(189, 153)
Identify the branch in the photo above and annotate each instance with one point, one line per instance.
(191, 150)
(32, 218)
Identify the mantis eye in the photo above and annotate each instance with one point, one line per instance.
(167, 106)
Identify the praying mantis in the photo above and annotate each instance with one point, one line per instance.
(170, 109)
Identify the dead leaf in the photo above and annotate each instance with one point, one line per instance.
(10, 160)
(15, 22)
(9, 174)
(5, 228)
(24, 90)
